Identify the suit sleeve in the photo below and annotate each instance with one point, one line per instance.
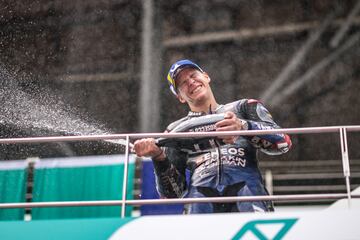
(170, 174)
(259, 118)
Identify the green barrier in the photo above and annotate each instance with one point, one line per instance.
(78, 180)
(12, 188)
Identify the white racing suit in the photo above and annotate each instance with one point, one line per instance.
(222, 169)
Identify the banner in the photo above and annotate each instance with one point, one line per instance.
(12, 188)
(81, 179)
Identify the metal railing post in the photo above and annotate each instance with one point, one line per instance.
(123, 204)
(345, 162)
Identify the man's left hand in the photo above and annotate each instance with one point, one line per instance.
(230, 123)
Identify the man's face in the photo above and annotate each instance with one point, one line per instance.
(192, 85)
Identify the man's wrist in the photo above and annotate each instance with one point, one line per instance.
(160, 156)
(244, 124)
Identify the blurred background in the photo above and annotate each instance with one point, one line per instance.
(99, 67)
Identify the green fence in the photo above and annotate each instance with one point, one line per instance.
(74, 179)
(12, 188)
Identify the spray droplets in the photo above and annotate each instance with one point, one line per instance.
(39, 110)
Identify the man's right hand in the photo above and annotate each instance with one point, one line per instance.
(147, 147)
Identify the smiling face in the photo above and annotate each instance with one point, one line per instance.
(193, 87)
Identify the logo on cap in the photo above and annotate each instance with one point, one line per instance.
(176, 69)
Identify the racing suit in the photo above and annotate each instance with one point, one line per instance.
(224, 169)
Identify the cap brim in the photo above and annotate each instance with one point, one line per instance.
(184, 67)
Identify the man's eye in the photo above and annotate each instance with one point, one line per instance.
(195, 74)
(182, 83)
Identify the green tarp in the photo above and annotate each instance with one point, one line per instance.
(81, 179)
(12, 188)
(87, 178)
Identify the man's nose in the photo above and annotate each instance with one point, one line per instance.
(191, 81)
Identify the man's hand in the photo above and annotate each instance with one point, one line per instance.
(230, 123)
(147, 147)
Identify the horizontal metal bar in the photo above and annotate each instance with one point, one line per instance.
(247, 33)
(310, 176)
(95, 77)
(331, 129)
(306, 163)
(296, 197)
(313, 188)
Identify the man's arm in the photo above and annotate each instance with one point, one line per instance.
(252, 115)
(259, 118)
(170, 174)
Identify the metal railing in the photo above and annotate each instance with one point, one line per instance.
(342, 130)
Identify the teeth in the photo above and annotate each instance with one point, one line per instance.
(196, 89)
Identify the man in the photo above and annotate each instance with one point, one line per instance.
(225, 167)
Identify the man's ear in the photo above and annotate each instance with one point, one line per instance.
(180, 98)
(207, 76)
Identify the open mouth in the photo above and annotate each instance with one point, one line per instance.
(196, 89)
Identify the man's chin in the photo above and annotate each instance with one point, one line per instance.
(199, 99)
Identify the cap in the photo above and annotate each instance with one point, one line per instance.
(176, 69)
